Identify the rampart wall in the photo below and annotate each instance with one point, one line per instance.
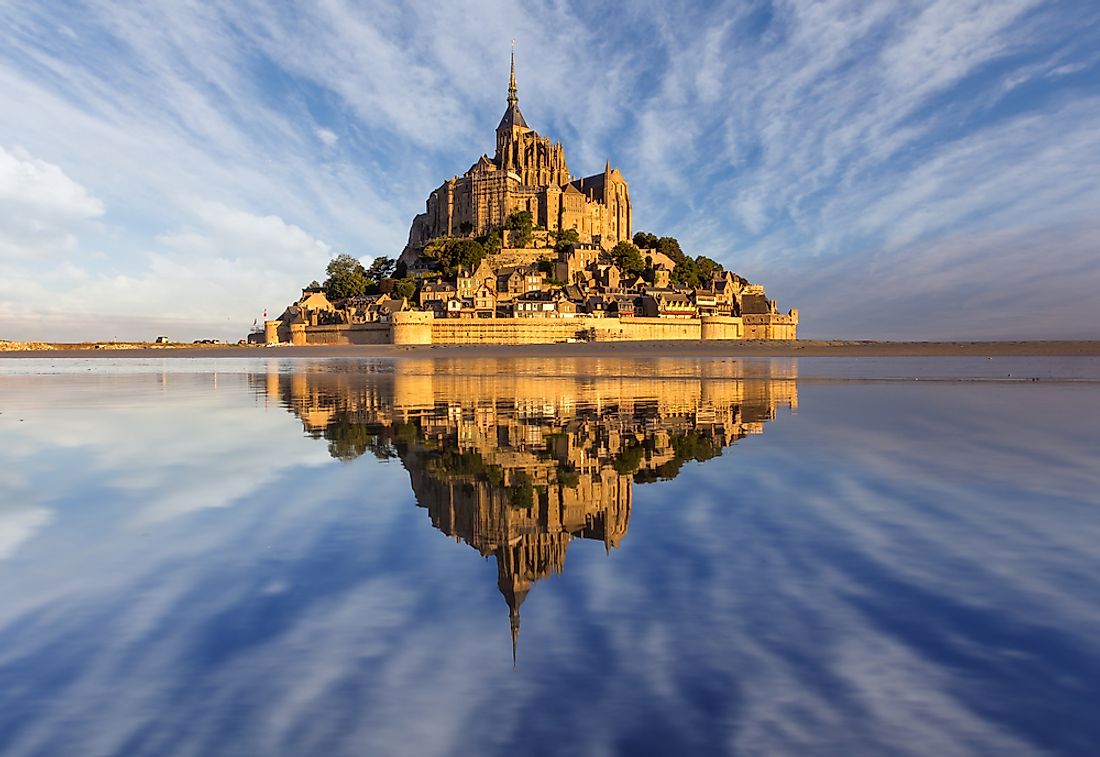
(355, 333)
(417, 327)
(771, 326)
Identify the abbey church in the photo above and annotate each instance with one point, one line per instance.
(528, 172)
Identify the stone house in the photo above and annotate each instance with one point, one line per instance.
(565, 307)
(468, 282)
(485, 302)
(665, 303)
(706, 303)
(624, 306)
(512, 282)
(662, 276)
(534, 305)
(438, 290)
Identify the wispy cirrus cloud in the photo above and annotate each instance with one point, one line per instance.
(784, 138)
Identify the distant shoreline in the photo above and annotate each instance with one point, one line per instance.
(738, 348)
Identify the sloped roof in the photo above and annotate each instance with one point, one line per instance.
(755, 304)
(512, 117)
(438, 286)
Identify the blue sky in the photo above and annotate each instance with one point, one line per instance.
(895, 170)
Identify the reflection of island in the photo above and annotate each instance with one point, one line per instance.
(518, 459)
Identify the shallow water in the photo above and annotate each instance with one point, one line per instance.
(683, 556)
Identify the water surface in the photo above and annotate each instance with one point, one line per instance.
(547, 557)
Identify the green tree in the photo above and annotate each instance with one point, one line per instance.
(645, 240)
(628, 258)
(567, 240)
(346, 278)
(452, 253)
(707, 268)
(522, 223)
(381, 267)
(569, 477)
(522, 492)
(628, 459)
(491, 242)
(686, 273)
(404, 288)
(494, 475)
(671, 246)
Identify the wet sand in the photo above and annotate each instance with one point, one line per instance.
(739, 348)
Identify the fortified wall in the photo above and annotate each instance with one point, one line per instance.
(417, 327)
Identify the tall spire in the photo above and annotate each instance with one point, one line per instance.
(513, 618)
(513, 97)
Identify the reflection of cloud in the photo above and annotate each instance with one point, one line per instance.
(896, 569)
(158, 423)
(17, 524)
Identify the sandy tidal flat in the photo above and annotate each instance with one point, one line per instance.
(746, 348)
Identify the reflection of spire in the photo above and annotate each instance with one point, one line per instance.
(513, 618)
(513, 96)
(514, 588)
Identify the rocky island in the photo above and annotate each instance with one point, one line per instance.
(520, 251)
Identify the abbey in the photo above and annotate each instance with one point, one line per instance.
(519, 251)
(527, 172)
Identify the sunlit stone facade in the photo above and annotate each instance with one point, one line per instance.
(527, 172)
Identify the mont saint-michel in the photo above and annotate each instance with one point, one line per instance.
(519, 250)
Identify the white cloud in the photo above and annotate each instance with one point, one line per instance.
(210, 279)
(41, 208)
(758, 133)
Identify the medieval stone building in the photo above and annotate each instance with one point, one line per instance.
(527, 172)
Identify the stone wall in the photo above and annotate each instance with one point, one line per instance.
(508, 330)
(647, 329)
(355, 333)
(416, 327)
(771, 326)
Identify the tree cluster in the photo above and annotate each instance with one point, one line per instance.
(687, 271)
(522, 223)
(452, 253)
(628, 258)
(347, 277)
(567, 239)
